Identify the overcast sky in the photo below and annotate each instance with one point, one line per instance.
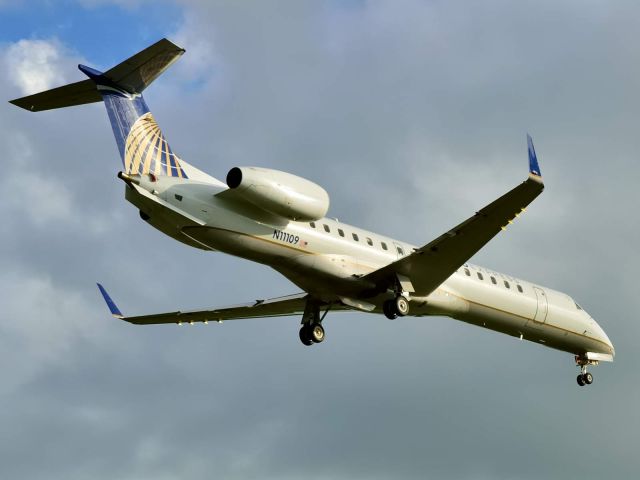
(413, 115)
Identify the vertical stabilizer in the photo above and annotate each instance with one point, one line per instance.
(143, 148)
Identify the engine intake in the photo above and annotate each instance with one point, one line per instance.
(280, 193)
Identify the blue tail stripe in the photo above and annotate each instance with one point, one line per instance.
(123, 113)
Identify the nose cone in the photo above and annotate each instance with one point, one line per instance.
(607, 346)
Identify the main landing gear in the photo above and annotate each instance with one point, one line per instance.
(312, 330)
(397, 307)
(311, 333)
(585, 378)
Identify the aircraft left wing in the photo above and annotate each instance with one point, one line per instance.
(428, 266)
(275, 307)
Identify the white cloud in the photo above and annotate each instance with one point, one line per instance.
(35, 65)
(41, 321)
(30, 193)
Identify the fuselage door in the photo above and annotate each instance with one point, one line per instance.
(543, 305)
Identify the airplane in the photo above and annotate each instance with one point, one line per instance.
(279, 219)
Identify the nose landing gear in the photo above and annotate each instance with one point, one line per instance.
(585, 378)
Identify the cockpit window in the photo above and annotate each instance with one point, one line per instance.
(578, 306)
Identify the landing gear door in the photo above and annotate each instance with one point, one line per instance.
(543, 306)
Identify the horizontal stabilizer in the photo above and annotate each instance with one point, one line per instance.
(131, 76)
(78, 93)
(138, 72)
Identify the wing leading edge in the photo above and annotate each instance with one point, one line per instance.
(274, 307)
(428, 266)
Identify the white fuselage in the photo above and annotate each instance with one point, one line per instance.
(328, 259)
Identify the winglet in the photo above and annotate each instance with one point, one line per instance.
(115, 311)
(534, 168)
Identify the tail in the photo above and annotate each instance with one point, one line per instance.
(142, 145)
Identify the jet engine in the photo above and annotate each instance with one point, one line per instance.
(280, 193)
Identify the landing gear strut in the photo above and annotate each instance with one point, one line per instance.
(312, 330)
(397, 307)
(585, 378)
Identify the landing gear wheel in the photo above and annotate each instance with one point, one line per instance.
(388, 308)
(587, 378)
(316, 333)
(305, 336)
(401, 305)
(580, 380)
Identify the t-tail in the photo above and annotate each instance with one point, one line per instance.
(143, 148)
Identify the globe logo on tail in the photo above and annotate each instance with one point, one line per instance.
(147, 151)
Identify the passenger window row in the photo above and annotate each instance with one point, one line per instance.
(467, 272)
(356, 238)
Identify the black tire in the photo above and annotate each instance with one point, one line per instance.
(580, 380)
(305, 337)
(389, 310)
(316, 333)
(588, 378)
(401, 306)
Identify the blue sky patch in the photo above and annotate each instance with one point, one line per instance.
(104, 34)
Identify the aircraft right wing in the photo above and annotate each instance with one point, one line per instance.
(428, 266)
(274, 307)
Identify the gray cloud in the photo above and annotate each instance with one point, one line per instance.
(412, 114)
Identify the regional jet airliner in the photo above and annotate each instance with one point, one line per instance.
(279, 219)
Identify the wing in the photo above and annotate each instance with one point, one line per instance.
(427, 267)
(275, 307)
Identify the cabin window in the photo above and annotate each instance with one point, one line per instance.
(313, 224)
(178, 197)
(467, 272)
(326, 228)
(520, 289)
(384, 246)
(400, 251)
(493, 280)
(506, 284)
(480, 276)
(355, 237)
(341, 232)
(369, 241)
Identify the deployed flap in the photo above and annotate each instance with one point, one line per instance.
(275, 307)
(427, 267)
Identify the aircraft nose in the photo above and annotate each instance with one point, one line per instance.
(602, 336)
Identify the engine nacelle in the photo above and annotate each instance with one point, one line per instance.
(281, 193)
